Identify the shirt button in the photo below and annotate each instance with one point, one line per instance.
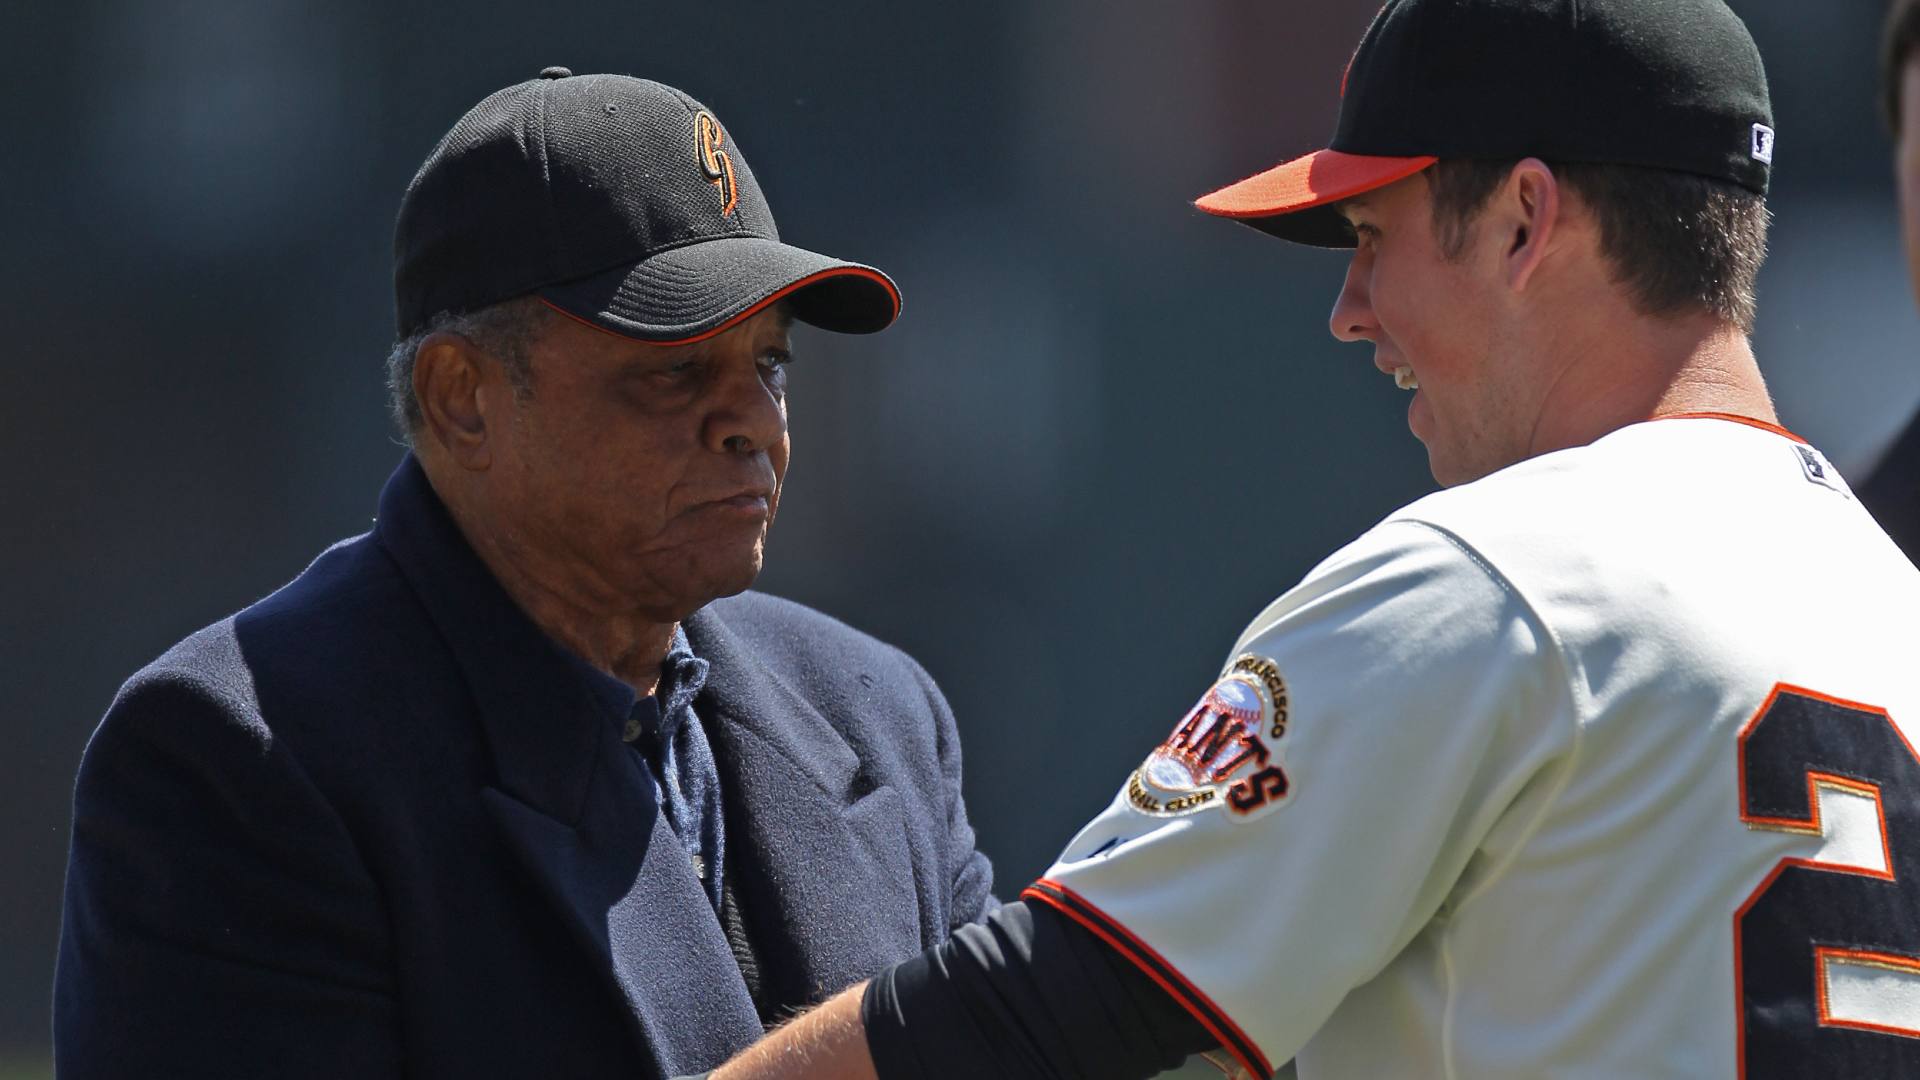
(700, 867)
(632, 730)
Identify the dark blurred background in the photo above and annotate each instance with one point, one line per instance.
(1105, 433)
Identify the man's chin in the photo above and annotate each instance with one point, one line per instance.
(738, 584)
(719, 582)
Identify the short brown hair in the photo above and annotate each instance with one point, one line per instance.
(1898, 39)
(1677, 241)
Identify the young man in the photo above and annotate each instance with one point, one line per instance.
(1599, 763)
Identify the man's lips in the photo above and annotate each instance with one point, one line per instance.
(746, 502)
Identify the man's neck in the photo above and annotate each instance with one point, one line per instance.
(628, 648)
(628, 645)
(1642, 369)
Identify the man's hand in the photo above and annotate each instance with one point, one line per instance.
(829, 1043)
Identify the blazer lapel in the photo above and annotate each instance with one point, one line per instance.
(624, 886)
(573, 803)
(817, 853)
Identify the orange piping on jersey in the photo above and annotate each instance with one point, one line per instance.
(1815, 780)
(1150, 962)
(1814, 827)
(1736, 418)
(838, 271)
(1908, 964)
(1812, 824)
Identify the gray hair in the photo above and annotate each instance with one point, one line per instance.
(505, 331)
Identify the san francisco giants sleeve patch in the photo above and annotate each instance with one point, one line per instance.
(1225, 753)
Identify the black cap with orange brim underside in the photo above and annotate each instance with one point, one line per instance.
(691, 293)
(620, 202)
(1675, 85)
(1295, 200)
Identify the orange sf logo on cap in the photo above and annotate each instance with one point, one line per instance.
(715, 162)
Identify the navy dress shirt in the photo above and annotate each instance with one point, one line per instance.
(663, 728)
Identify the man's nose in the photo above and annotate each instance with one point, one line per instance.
(1352, 318)
(747, 414)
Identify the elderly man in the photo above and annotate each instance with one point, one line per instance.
(1599, 763)
(504, 787)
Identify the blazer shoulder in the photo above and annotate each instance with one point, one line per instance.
(354, 579)
(209, 658)
(313, 640)
(774, 626)
(822, 657)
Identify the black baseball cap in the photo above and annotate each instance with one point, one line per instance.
(1665, 84)
(618, 201)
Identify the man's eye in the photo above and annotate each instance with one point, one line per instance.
(773, 368)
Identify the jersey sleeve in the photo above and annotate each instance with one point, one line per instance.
(1324, 798)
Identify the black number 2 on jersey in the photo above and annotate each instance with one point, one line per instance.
(1808, 918)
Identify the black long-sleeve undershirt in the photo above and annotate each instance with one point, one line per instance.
(1027, 994)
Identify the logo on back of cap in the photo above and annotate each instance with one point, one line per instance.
(715, 163)
(1763, 143)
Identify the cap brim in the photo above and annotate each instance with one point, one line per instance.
(1294, 200)
(685, 294)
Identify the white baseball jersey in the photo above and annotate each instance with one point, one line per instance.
(1601, 766)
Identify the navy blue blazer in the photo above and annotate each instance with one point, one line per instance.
(373, 826)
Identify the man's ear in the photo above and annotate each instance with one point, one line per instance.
(1525, 215)
(450, 381)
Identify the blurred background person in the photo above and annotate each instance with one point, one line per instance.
(1892, 490)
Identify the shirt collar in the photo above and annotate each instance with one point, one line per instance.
(682, 676)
